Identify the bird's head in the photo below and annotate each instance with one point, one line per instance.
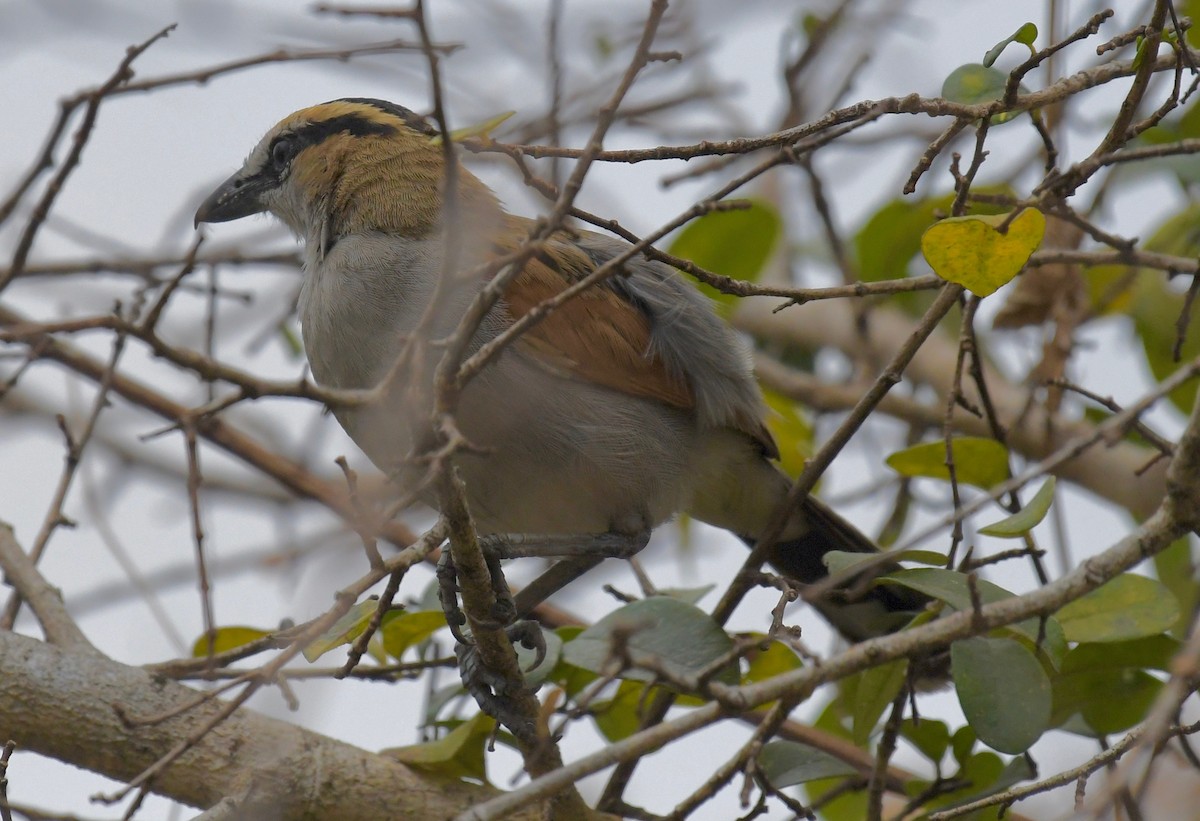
(342, 167)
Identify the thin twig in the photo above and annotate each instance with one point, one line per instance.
(42, 209)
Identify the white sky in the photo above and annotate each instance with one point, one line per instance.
(153, 156)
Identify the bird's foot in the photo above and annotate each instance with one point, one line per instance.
(490, 688)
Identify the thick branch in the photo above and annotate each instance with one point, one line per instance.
(61, 705)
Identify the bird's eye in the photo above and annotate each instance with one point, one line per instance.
(282, 151)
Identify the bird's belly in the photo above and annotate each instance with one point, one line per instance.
(547, 454)
(563, 456)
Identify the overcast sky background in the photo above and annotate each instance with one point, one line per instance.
(154, 156)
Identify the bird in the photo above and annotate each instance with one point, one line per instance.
(626, 405)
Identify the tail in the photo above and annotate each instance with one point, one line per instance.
(737, 487)
(856, 608)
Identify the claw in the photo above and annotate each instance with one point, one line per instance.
(528, 634)
(448, 596)
(504, 611)
(476, 676)
(489, 691)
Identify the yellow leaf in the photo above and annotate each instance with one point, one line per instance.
(403, 630)
(977, 461)
(345, 630)
(973, 253)
(792, 431)
(459, 754)
(227, 638)
(620, 717)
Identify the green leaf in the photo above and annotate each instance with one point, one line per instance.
(1150, 653)
(1003, 691)
(1176, 569)
(1110, 290)
(977, 461)
(962, 743)
(404, 629)
(982, 775)
(775, 660)
(570, 678)
(1107, 701)
(1025, 519)
(458, 754)
(951, 587)
(811, 23)
(1051, 651)
(849, 806)
(972, 252)
(1025, 35)
(1156, 311)
(1128, 607)
(683, 639)
(973, 83)
(228, 638)
(982, 770)
(930, 557)
(931, 737)
(877, 688)
(344, 631)
(620, 716)
(891, 238)
(839, 561)
(1139, 55)
(787, 763)
(1015, 771)
(735, 243)
(1190, 8)
(1107, 686)
(1157, 306)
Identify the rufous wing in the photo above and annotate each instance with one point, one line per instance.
(601, 336)
(598, 336)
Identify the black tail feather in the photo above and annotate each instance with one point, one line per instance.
(856, 608)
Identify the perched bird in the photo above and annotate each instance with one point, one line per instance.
(624, 406)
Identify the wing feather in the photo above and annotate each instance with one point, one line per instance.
(598, 336)
(605, 337)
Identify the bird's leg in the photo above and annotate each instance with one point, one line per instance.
(488, 687)
(448, 590)
(578, 554)
(504, 612)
